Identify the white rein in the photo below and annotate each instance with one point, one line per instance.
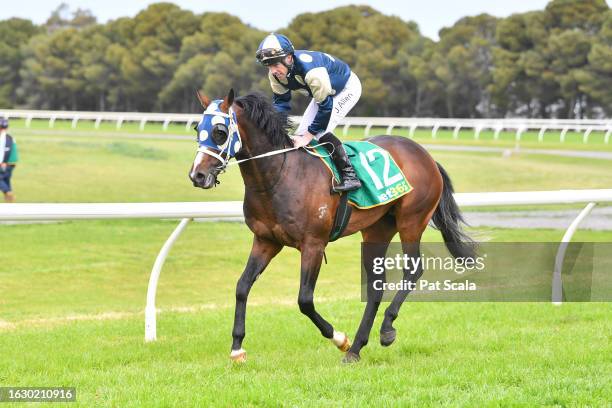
(233, 127)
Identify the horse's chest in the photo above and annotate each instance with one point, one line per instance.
(278, 223)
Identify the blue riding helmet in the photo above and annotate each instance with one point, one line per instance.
(217, 133)
(273, 49)
(3, 122)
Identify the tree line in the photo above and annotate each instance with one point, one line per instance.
(555, 62)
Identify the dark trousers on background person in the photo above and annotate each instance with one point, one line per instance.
(5, 183)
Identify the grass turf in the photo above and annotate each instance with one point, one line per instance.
(72, 296)
(58, 290)
(112, 169)
(445, 355)
(88, 267)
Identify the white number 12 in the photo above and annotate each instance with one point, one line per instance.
(369, 157)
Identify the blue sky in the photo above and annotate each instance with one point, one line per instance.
(430, 15)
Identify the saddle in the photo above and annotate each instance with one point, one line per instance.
(381, 178)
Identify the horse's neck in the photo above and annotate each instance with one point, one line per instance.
(264, 174)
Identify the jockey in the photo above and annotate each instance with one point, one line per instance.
(334, 89)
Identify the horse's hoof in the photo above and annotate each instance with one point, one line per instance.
(387, 338)
(350, 358)
(238, 356)
(341, 341)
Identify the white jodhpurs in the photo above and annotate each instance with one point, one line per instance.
(343, 103)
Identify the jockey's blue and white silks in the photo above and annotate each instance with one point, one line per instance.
(316, 74)
(213, 118)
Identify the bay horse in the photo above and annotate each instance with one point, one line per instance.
(287, 202)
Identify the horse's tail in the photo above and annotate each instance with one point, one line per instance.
(448, 219)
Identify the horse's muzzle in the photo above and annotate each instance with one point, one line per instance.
(204, 181)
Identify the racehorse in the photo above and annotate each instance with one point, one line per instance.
(285, 190)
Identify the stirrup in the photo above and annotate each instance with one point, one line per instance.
(347, 184)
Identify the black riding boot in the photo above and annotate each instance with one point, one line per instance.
(343, 164)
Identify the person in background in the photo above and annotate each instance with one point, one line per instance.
(8, 160)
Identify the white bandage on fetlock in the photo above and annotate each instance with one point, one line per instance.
(237, 354)
(339, 338)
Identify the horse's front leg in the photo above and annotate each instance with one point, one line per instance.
(261, 254)
(312, 256)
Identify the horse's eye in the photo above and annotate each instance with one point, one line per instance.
(219, 134)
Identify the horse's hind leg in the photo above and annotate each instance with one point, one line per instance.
(380, 234)
(410, 231)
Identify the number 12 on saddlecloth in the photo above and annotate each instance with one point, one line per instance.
(368, 157)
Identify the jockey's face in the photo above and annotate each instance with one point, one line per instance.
(279, 70)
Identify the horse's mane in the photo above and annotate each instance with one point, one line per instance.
(260, 112)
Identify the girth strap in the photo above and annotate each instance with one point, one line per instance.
(341, 220)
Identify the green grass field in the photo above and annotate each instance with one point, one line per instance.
(72, 296)
(67, 168)
(71, 303)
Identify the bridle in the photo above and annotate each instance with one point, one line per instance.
(231, 132)
(224, 154)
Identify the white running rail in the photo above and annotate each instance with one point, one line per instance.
(517, 125)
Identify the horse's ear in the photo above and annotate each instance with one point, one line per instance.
(203, 99)
(228, 101)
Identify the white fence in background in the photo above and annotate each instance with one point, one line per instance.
(516, 125)
(232, 209)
